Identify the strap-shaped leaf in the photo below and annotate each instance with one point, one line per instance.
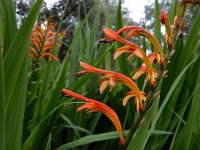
(18, 51)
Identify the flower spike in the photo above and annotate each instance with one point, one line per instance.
(96, 106)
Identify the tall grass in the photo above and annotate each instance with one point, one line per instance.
(41, 118)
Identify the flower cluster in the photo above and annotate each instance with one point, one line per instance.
(111, 78)
(42, 40)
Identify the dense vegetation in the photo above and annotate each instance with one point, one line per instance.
(40, 66)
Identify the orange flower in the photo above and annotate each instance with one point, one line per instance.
(111, 78)
(137, 31)
(134, 49)
(96, 106)
(138, 103)
(131, 48)
(151, 77)
(42, 41)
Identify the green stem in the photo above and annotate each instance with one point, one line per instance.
(148, 100)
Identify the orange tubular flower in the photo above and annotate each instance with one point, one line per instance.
(143, 69)
(96, 106)
(113, 77)
(137, 31)
(134, 50)
(130, 48)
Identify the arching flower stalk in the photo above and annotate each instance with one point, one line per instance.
(136, 50)
(96, 106)
(111, 78)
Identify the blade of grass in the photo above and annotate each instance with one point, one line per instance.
(187, 131)
(122, 62)
(108, 25)
(91, 138)
(33, 142)
(172, 11)
(173, 143)
(48, 147)
(2, 105)
(157, 21)
(171, 90)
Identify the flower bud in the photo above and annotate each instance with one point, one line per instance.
(163, 16)
(170, 38)
(177, 21)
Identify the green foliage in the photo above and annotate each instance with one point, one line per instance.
(35, 115)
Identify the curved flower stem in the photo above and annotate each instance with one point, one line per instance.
(148, 100)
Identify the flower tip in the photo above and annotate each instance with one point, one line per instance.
(110, 34)
(163, 16)
(124, 103)
(84, 65)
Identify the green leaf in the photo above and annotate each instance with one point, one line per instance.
(191, 123)
(91, 138)
(48, 147)
(140, 138)
(8, 24)
(157, 21)
(2, 105)
(122, 60)
(167, 98)
(189, 50)
(108, 25)
(172, 11)
(16, 109)
(18, 51)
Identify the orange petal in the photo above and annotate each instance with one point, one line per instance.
(75, 95)
(129, 49)
(33, 50)
(38, 33)
(114, 75)
(118, 53)
(125, 100)
(50, 56)
(146, 34)
(130, 56)
(86, 106)
(32, 56)
(103, 86)
(127, 28)
(138, 74)
(93, 106)
(114, 36)
(45, 48)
